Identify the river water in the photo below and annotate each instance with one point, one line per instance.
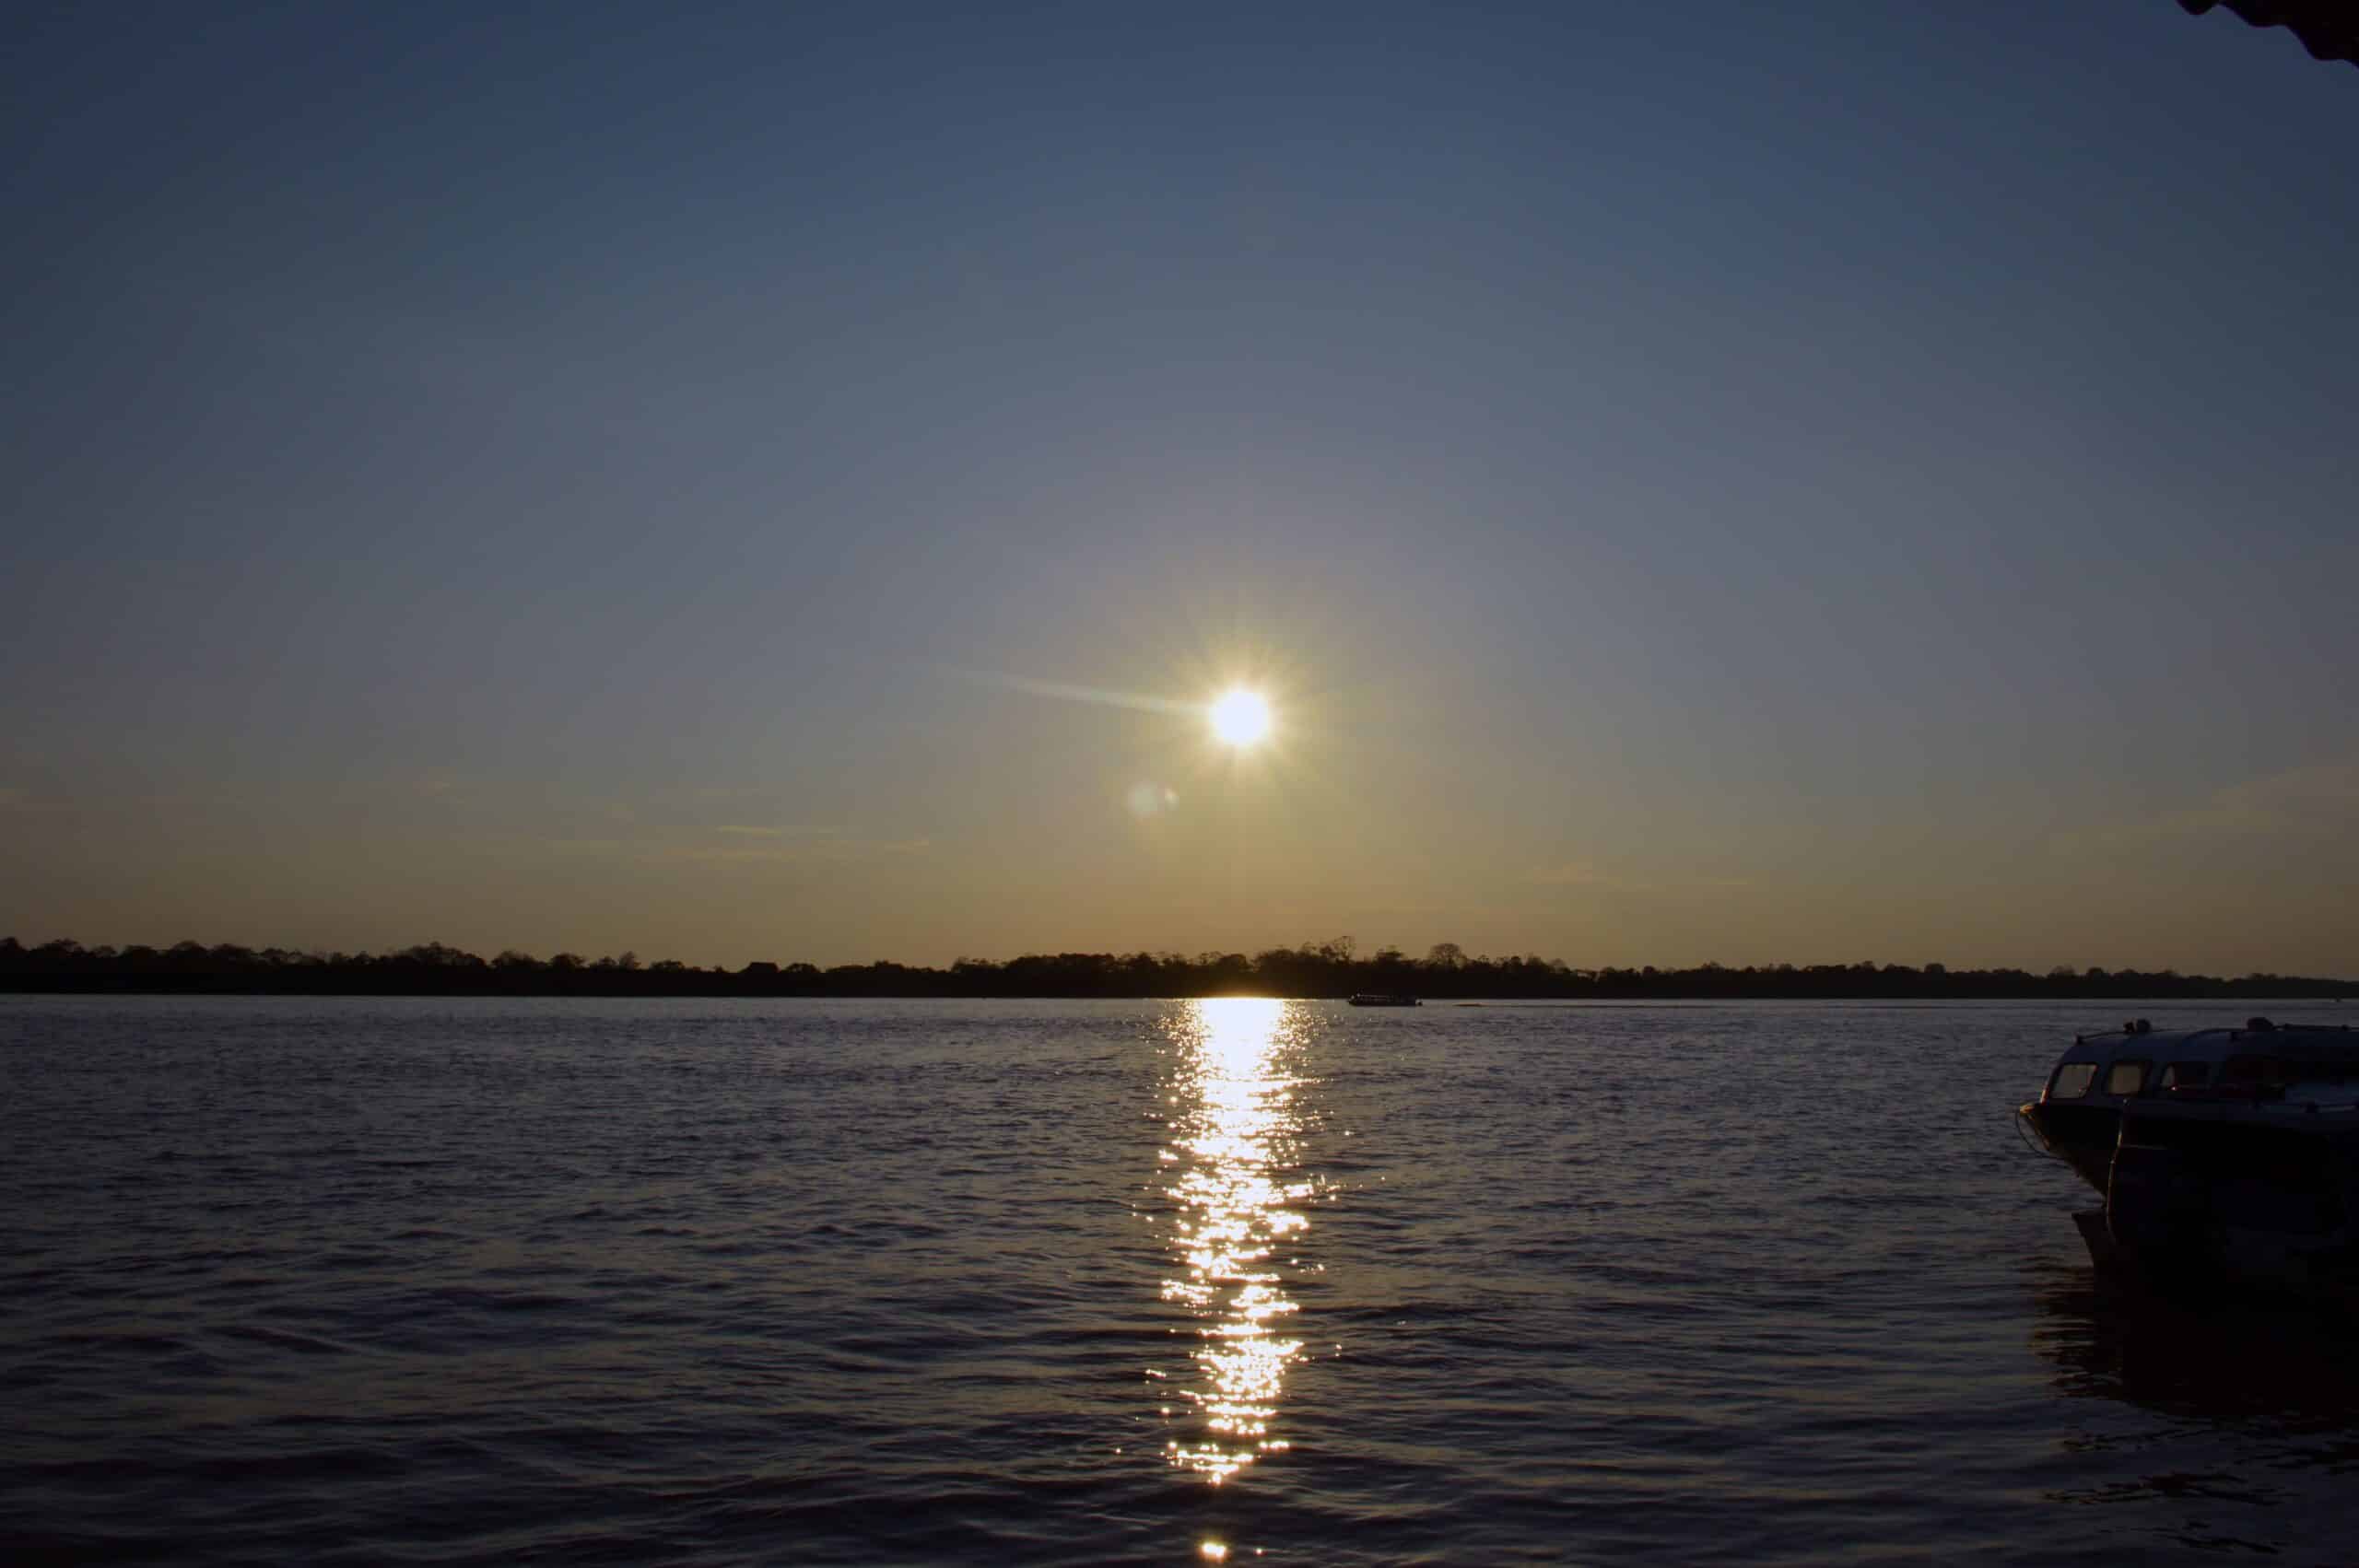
(425, 1281)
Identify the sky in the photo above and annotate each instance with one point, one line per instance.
(1700, 482)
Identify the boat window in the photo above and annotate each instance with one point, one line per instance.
(2250, 1070)
(2187, 1075)
(2071, 1081)
(2126, 1077)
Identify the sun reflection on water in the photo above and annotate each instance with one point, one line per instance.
(1236, 1131)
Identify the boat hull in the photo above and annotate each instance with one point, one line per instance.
(2206, 1204)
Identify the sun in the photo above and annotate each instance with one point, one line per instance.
(1241, 717)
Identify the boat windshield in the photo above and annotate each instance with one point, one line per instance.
(2071, 1081)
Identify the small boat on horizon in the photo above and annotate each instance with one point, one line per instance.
(2224, 1156)
(1382, 998)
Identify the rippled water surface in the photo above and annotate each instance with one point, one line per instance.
(370, 1280)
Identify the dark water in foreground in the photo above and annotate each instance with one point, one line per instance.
(429, 1282)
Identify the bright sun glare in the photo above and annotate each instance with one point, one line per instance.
(1241, 717)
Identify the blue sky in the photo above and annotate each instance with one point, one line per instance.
(1700, 482)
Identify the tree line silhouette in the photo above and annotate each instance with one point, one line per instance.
(1333, 968)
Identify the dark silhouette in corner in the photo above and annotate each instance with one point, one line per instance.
(2328, 29)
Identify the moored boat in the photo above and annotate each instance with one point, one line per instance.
(1382, 998)
(2223, 1155)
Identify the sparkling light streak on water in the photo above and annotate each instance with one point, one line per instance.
(1235, 1182)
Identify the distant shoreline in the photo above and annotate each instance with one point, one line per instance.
(1648, 999)
(1329, 971)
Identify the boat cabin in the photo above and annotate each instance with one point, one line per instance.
(2261, 1062)
(2262, 1070)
